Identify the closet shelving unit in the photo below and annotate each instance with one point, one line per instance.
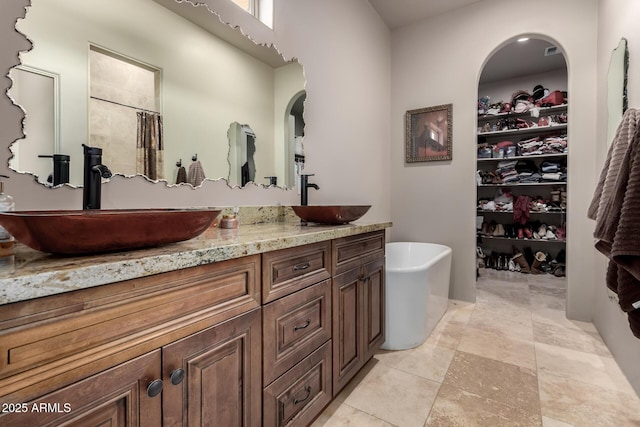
(537, 189)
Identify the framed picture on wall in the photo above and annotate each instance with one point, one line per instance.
(428, 134)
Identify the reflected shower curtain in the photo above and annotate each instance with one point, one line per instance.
(150, 146)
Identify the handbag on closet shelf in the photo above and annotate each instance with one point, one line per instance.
(554, 98)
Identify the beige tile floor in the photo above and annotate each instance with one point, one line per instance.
(510, 359)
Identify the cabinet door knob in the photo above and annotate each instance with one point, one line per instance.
(308, 390)
(177, 376)
(155, 388)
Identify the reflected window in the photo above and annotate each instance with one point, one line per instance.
(246, 5)
(261, 9)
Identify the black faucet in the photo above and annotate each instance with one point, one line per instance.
(304, 184)
(94, 171)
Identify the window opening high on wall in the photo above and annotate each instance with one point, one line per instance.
(261, 9)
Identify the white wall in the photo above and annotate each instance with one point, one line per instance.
(617, 19)
(345, 49)
(439, 61)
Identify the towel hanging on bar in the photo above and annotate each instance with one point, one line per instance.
(196, 174)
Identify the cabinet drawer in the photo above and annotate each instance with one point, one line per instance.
(350, 252)
(289, 270)
(103, 326)
(299, 395)
(294, 326)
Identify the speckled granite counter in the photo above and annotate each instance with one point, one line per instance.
(32, 274)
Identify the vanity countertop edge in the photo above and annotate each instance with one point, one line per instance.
(31, 274)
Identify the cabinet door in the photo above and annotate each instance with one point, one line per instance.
(348, 317)
(374, 306)
(220, 382)
(116, 397)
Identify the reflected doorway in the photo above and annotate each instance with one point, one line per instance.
(294, 135)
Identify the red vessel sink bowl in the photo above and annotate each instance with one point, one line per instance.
(330, 215)
(76, 232)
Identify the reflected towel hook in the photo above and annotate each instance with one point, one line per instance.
(179, 163)
(195, 157)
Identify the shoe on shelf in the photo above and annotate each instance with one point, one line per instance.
(528, 234)
(520, 233)
(559, 271)
(521, 262)
(480, 262)
(537, 262)
(491, 228)
(499, 230)
(541, 232)
(479, 252)
(484, 229)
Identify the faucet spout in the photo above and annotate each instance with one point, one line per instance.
(102, 170)
(94, 171)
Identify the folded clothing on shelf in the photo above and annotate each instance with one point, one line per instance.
(537, 146)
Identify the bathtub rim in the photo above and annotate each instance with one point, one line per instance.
(446, 251)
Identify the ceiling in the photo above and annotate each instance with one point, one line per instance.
(398, 13)
(513, 60)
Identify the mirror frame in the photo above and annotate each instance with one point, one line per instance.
(206, 14)
(617, 79)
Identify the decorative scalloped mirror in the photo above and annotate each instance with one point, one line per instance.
(96, 66)
(617, 100)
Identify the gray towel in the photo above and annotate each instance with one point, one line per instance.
(182, 175)
(616, 209)
(196, 174)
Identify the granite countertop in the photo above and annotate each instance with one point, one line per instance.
(31, 274)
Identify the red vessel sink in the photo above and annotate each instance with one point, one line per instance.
(76, 232)
(331, 215)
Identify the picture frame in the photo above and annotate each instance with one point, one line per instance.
(428, 134)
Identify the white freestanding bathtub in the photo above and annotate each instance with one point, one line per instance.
(417, 291)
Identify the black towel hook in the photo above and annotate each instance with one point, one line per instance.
(179, 163)
(195, 157)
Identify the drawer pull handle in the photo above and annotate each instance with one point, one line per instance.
(308, 389)
(155, 388)
(177, 376)
(306, 324)
(301, 266)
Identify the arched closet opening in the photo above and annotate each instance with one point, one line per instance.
(522, 152)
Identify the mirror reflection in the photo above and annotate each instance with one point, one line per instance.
(153, 90)
(617, 87)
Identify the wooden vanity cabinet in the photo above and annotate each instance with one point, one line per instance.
(99, 349)
(213, 377)
(260, 340)
(358, 304)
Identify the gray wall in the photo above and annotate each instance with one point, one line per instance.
(436, 202)
(616, 19)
